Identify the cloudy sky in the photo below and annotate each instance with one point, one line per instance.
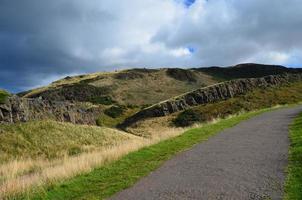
(41, 41)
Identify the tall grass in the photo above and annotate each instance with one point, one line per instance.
(21, 176)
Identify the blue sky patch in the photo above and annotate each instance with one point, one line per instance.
(191, 49)
(188, 3)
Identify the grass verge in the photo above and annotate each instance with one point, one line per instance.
(111, 178)
(293, 186)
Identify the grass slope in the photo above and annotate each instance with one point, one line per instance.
(50, 139)
(105, 181)
(293, 187)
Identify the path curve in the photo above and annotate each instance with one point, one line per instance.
(243, 162)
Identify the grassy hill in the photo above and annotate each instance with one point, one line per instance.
(134, 86)
(248, 70)
(141, 87)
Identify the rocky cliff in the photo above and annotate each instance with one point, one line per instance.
(16, 109)
(214, 93)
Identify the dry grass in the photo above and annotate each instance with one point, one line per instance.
(21, 176)
(155, 127)
(24, 175)
(52, 140)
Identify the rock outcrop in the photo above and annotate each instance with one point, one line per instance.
(17, 109)
(182, 74)
(75, 92)
(214, 93)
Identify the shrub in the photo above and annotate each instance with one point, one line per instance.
(105, 100)
(187, 118)
(115, 111)
(3, 96)
(74, 150)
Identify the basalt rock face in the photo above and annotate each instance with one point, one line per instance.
(17, 109)
(214, 93)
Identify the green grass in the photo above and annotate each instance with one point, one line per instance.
(115, 119)
(50, 139)
(3, 96)
(293, 186)
(111, 178)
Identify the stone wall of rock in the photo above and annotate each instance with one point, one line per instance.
(18, 109)
(214, 93)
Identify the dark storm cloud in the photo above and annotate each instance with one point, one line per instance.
(41, 41)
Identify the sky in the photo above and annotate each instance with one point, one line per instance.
(41, 41)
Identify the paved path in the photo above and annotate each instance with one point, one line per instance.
(243, 162)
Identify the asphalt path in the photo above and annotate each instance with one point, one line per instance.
(247, 161)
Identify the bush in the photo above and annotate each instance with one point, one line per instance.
(74, 150)
(187, 118)
(3, 96)
(115, 111)
(105, 100)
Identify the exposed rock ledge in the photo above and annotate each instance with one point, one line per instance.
(18, 109)
(214, 93)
